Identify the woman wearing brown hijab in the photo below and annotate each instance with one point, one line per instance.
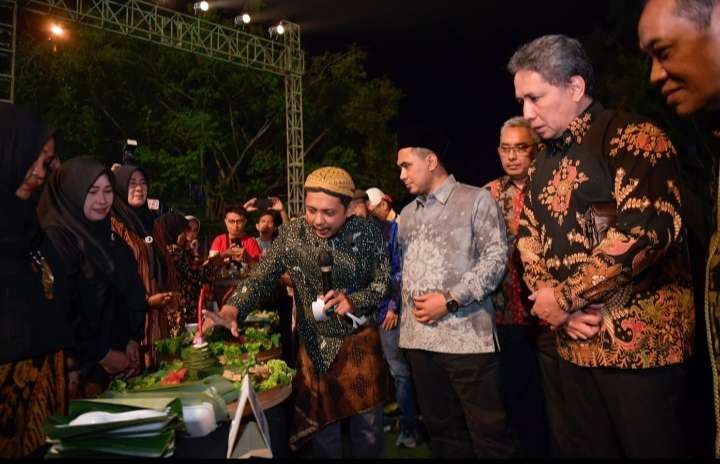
(154, 267)
(33, 319)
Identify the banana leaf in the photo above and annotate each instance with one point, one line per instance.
(151, 447)
(57, 427)
(58, 431)
(222, 386)
(160, 403)
(215, 391)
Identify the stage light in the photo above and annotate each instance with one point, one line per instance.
(56, 30)
(242, 19)
(204, 6)
(276, 30)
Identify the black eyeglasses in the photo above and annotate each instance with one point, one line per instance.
(520, 149)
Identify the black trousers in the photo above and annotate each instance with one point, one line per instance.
(459, 398)
(521, 389)
(624, 413)
(555, 404)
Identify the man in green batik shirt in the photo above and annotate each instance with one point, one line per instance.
(340, 367)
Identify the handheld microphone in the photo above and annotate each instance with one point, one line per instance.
(325, 261)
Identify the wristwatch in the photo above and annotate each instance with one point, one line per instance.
(450, 303)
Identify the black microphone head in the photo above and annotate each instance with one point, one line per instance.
(325, 258)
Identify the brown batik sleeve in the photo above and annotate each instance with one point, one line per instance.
(648, 220)
(533, 246)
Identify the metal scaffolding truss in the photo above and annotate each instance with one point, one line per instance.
(8, 25)
(147, 21)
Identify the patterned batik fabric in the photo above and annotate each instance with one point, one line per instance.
(640, 271)
(511, 298)
(361, 270)
(712, 309)
(355, 383)
(31, 390)
(453, 240)
(191, 280)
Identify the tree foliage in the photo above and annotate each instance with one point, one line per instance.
(202, 122)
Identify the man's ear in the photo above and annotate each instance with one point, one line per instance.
(432, 161)
(577, 87)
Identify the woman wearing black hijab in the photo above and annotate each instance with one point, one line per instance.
(107, 297)
(183, 276)
(33, 318)
(131, 185)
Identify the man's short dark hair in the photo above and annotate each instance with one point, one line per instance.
(360, 194)
(345, 200)
(556, 58)
(425, 152)
(697, 11)
(237, 209)
(270, 213)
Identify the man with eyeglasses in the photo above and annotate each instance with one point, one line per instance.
(517, 329)
(236, 245)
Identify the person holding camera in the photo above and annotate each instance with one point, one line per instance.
(267, 224)
(236, 248)
(236, 245)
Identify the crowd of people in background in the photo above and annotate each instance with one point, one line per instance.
(549, 313)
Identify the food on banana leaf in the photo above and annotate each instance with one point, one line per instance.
(263, 316)
(174, 377)
(147, 380)
(263, 376)
(200, 362)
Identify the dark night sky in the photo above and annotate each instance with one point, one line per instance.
(448, 57)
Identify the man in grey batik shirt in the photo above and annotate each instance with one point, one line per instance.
(454, 247)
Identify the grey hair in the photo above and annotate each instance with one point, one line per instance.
(556, 58)
(519, 121)
(697, 11)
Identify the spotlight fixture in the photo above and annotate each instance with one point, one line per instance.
(276, 30)
(56, 30)
(204, 6)
(242, 19)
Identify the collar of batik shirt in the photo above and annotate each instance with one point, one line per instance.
(441, 194)
(576, 131)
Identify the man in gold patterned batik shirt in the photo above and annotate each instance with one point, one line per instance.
(600, 239)
(682, 38)
(341, 372)
(525, 346)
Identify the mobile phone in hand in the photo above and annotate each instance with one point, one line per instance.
(263, 203)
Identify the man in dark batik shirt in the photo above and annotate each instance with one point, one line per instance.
(683, 40)
(522, 341)
(622, 366)
(341, 372)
